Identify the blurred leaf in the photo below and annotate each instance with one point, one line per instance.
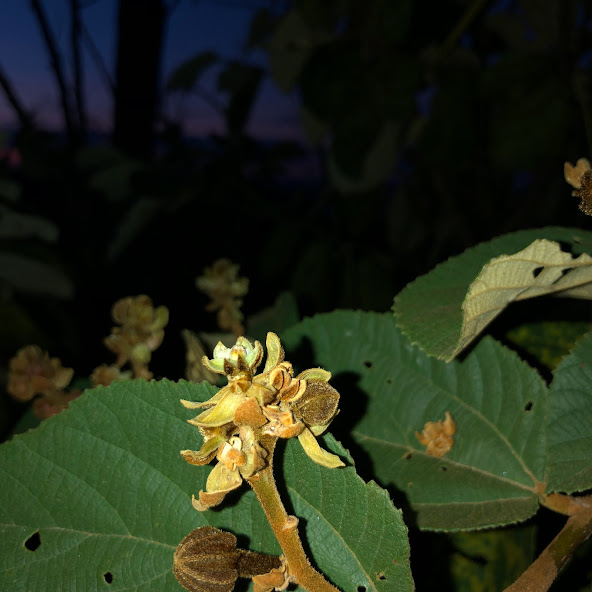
(134, 221)
(241, 81)
(429, 310)
(185, 76)
(19, 226)
(105, 489)
(570, 422)
(378, 163)
(115, 182)
(498, 403)
(548, 342)
(531, 127)
(10, 190)
(28, 275)
(313, 127)
(93, 158)
(490, 561)
(262, 26)
(290, 48)
(276, 318)
(385, 20)
(330, 83)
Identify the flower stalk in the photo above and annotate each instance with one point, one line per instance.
(285, 528)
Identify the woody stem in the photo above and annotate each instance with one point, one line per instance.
(285, 528)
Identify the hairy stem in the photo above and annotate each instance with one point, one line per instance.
(542, 573)
(285, 528)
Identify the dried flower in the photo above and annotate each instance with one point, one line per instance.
(221, 283)
(274, 403)
(580, 177)
(32, 372)
(436, 436)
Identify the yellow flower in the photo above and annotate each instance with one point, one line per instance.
(251, 407)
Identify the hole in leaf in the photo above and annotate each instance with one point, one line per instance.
(361, 588)
(380, 576)
(33, 542)
(108, 577)
(528, 406)
(408, 456)
(368, 364)
(443, 468)
(536, 271)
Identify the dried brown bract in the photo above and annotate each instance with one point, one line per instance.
(436, 436)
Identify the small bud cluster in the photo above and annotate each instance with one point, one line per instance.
(252, 408)
(141, 332)
(226, 289)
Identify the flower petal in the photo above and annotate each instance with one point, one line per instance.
(221, 413)
(275, 352)
(318, 454)
(315, 374)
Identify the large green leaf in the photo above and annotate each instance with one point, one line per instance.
(106, 491)
(430, 309)
(497, 401)
(570, 422)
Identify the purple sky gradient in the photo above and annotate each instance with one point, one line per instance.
(194, 26)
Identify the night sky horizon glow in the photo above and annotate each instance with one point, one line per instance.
(194, 27)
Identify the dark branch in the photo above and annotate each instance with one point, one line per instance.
(56, 65)
(75, 33)
(23, 115)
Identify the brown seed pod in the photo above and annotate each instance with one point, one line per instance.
(318, 404)
(207, 560)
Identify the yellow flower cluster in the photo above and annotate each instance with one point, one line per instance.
(141, 332)
(253, 409)
(32, 372)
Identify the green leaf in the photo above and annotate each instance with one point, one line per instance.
(498, 403)
(105, 489)
(548, 342)
(570, 422)
(429, 310)
(276, 318)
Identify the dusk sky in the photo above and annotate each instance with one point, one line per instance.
(195, 26)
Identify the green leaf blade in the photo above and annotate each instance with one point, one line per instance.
(570, 422)
(497, 402)
(105, 487)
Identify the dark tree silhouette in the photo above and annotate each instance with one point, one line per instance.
(140, 33)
